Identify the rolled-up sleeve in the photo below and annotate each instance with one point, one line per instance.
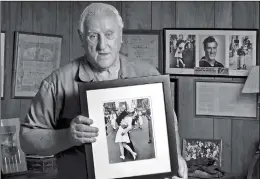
(41, 113)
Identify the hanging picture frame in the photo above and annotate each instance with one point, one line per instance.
(144, 45)
(211, 52)
(36, 56)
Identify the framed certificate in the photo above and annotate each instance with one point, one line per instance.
(36, 56)
(142, 45)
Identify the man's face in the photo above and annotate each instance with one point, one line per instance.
(211, 50)
(103, 38)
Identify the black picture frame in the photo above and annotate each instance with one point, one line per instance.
(164, 80)
(224, 37)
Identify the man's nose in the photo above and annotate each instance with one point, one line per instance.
(102, 42)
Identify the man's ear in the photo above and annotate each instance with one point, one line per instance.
(81, 36)
(121, 36)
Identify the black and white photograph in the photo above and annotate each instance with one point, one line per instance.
(197, 149)
(240, 52)
(9, 146)
(13, 158)
(129, 130)
(134, 121)
(212, 51)
(109, 89)
(182, 50)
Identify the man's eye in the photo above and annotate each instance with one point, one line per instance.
(109, 35)
(93, 37)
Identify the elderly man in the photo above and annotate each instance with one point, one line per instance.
(53, 124)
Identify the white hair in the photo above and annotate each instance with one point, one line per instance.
(96, 8)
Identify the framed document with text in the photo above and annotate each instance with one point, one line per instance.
(36, 56)
(224, 99)
(142, 45)
(135, 114)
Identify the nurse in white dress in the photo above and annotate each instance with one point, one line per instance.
(122, 137)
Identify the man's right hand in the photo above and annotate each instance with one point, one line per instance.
(81, 132)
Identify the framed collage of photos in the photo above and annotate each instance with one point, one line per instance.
(221, 52)
(36, 56)
(142, 45)
(202, 148)
(139, 135)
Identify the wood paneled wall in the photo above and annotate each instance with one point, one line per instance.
(240, 137)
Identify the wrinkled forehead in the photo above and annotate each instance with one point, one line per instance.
(101, 21)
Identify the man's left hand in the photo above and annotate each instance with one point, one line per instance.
(183, 169)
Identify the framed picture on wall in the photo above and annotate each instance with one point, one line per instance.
(143, 120)
(222, 98)
(12, 157)
(196, 149)
(36, 56)
(142, 45)
(2, 63)
(216, 52)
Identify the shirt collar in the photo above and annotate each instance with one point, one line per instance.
(123, 67)
(86, 74)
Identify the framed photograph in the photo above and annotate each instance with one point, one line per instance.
(136, 128)
(142, 45)
(2, 63)
(216, 52)
(224, 99)
(12, 157)
(194, 149)
(36, 56)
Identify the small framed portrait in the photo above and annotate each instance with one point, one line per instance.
(12, 157)
(196, 149)
(216, 52)
(136, 136)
